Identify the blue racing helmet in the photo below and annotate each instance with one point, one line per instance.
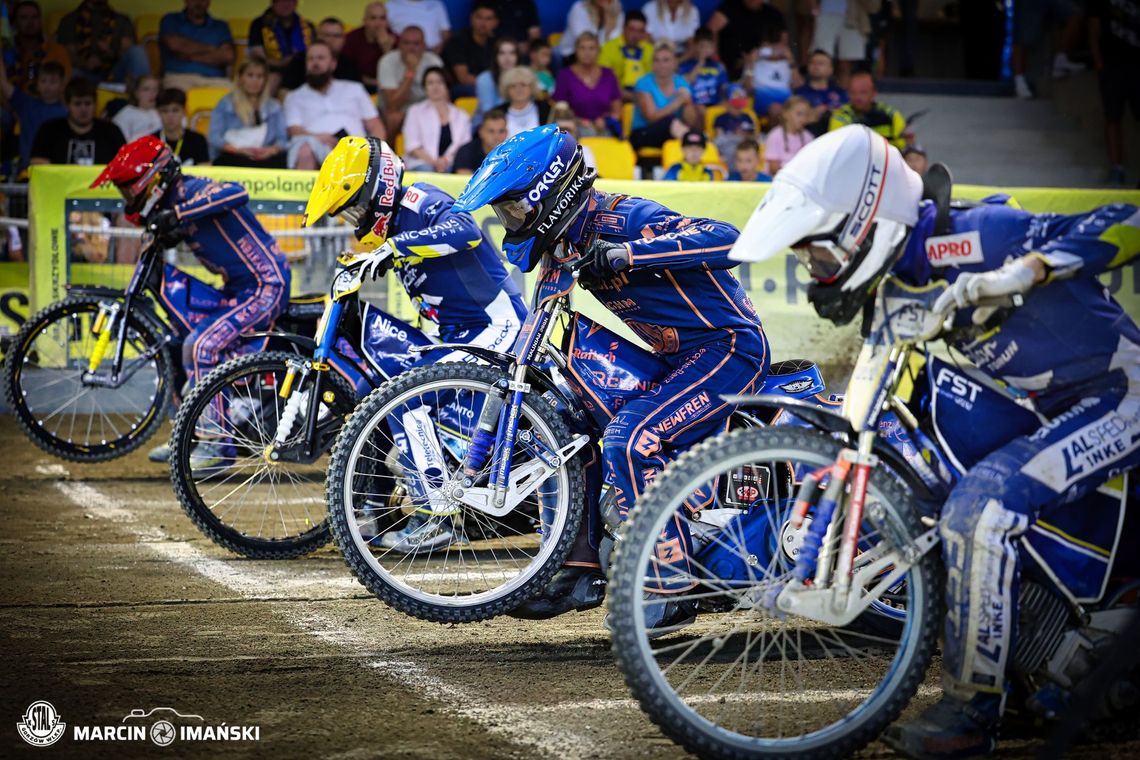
(538, 184)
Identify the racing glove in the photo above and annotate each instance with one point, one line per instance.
(165, 226)
(1015, 278)
(378, 262)
(605, 260)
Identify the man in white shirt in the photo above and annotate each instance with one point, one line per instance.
(324, 110)
(428, 15)
(400, 75)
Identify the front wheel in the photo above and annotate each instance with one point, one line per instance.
(409, 539)
(72, 417)
(741, 682)
(245, 501)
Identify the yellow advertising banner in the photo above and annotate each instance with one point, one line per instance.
(14, 303)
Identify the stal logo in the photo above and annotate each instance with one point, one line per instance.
(41, 725)
(797, 386)
(953, 250)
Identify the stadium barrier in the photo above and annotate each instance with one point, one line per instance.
(777, 287)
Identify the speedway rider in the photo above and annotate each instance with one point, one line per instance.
(452, 273)
(666, 276)
(852, 210)
(215, 220)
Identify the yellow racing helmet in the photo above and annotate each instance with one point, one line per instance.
(360, 181)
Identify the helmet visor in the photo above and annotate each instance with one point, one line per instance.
(352, 215)
(514, 213)
(823, 259)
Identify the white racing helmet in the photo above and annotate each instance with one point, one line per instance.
(844, 204)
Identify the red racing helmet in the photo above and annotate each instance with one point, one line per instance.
(143, 170)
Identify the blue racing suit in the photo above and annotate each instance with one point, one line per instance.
(227, 238)
(680, 298)
(1076, 353)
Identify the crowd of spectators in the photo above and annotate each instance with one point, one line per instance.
(732, 90)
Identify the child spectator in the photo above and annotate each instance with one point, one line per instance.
(604, 18)
(541, 57)
(706, 75)
(470, 52)
(673, 21)
(746, 158)
(492, 131)
(519, 88)
(435, 128)
(690, 168)
(915, 157)
(591, 89)
(196, 48)
(365, 45)
(140, 117)
(487, 83)
(790, 136)
(190, 147)
(247, 127)
(101, 43)
(734, 125)
(34, 110)
(278, 36)
(78, 138)
(629, 56)
(663, 103)
(820, 91)
(429, 15)
(769, 73)
(32, 49)
(562, 115)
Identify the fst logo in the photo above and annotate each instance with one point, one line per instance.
(959, 385)
(955, 250)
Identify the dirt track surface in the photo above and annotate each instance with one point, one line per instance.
(113, 602)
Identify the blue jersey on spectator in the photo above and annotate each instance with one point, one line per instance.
(708, 87)
(760, 177)
(648, 84)
(732, 124)
(32, 112)
(832, 97)
(214, 32)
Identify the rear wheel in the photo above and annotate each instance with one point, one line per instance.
(245, 502)
(73, 419)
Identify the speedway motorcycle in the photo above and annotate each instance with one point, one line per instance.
(820, 600)
(90, 377)
(248, 447)
(491, 458)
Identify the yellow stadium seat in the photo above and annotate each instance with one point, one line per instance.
(615, 157)
(146, 34)
(714, 111)
(468, 104)
(204, 98)
(554, 38)
(671, 154)
(239, 30)
(200, 122)
(103, 96)
(626, 119)
(399, 145)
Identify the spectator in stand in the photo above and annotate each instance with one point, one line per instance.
(366, 45)
(278, 36)
(746, 159)
(492, 132)
(769, 74)
(324, 110)
(673, 21)
(541, 59)
(518, 20)
(663, 103)
(506, 56)
(33, 110)
(1114, 37)
(629, 56)
(32, 49)
(734, 125)
(247, 127)
(563, 116)
(429, 15)
(400, 73)
(519, 88)
(786, 140)
(195, 47)
(821, 93)
(78, 138)
(101, 44)
(864, 109)
(591, 89)
(435, 128)
(140, 116)
(915, 157)
(740, 26)
(706, 75)
(190, 147)
(331, 32)
(841, 29)
(1033, 22)
(603, 18)
(471, 52)
(691, 168)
